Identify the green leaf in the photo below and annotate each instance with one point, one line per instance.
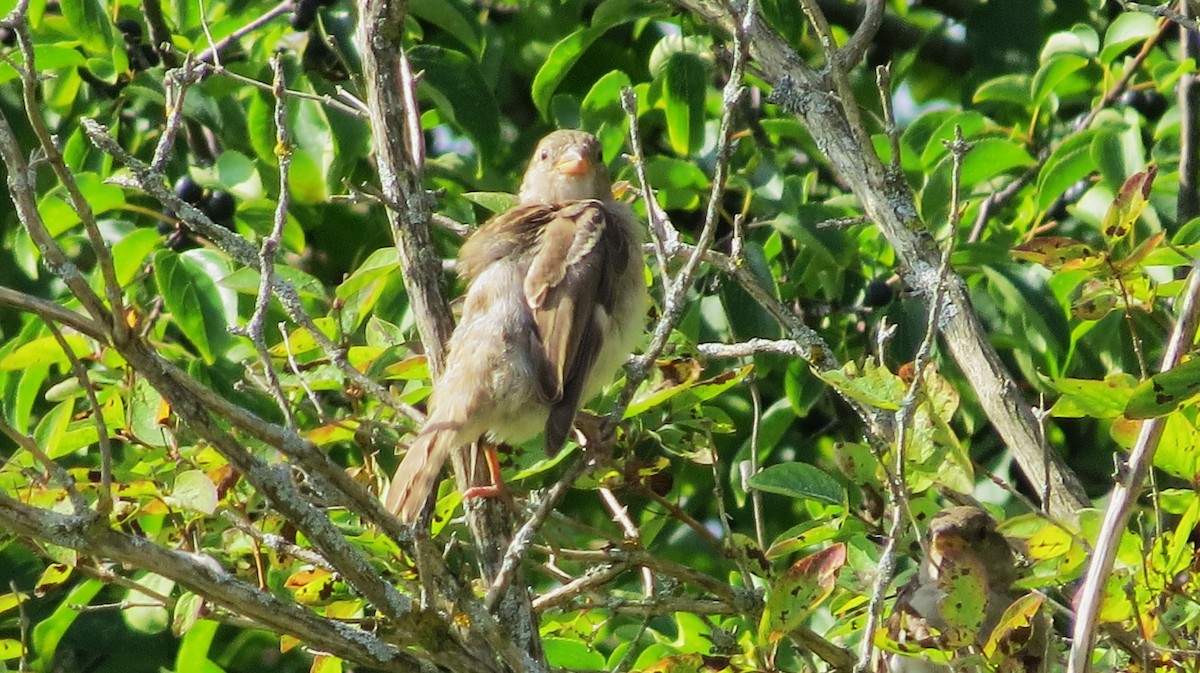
(1005, 89)
(130, 253)
(11, 649)
(871, 384)
(452, 17)
(991, 157)
(58, 214)
(144, 616)
(185, 619)
(602, 104)
(1068, 163)
(195, 491)
(1059, 253)
(1178, 452)
(685, 83)
(497, 202)
(458, 89)
(1165, 392)
(52, 428)
(89, 23)
(46, 57)
(45, 351)
(747, 318)
(306, 183)
(238, 174)
(558, 64)
(49, 631)
(191, 295)
(1094, 399)
(1126, 30)
(969, 121)
(1052, 73)
(799, 480)
(571, 653)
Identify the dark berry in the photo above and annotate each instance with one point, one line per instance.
(132, 30)
(878, 293)
(8, 36)
(149, 54)
(220, 206)
(305, 14)
(187, 190)
(166, 226)
(319, 58)
(181, 240)
(1058, 209)
(1148, 102)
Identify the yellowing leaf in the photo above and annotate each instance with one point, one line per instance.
(800, 589)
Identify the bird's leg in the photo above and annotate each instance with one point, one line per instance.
(496, 489)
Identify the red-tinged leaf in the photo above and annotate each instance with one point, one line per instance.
(1122, 266)
(311, 587)
(53, 577)
(330, 433)
(800, 589)
(1127, 207)
(1059, 253)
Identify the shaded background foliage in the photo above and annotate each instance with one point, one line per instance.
(1062, 103)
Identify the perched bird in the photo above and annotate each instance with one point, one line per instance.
(958, 597)
(556, 300)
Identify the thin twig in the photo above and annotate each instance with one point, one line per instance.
(244, 253)
(212, 54)
(269, 246)
(104, 502)
(906, 415)
(31, 93)
(78, 503)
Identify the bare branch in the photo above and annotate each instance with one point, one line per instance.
(204, 576)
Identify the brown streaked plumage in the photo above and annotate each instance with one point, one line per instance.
(555, 302)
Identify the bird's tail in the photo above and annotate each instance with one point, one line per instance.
(419, 471)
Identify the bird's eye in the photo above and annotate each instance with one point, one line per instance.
(544, 155)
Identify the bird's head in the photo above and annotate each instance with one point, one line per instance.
(566, 166)
(959, 534)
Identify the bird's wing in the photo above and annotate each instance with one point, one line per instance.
(570, 293)
(507, 234)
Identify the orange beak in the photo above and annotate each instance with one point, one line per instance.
(573, 163)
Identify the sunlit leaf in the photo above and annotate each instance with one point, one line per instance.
(1128, 206)
(799, 590)
(799, 480)
(1163, 393)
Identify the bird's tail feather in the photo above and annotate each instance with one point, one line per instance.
(419, 471)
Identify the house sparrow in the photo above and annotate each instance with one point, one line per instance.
(556, 300)
(958, 597)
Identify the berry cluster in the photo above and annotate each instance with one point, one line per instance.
(218, 204)
(306, 13)
(141, 55)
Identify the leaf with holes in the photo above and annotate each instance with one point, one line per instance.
(800, 590)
